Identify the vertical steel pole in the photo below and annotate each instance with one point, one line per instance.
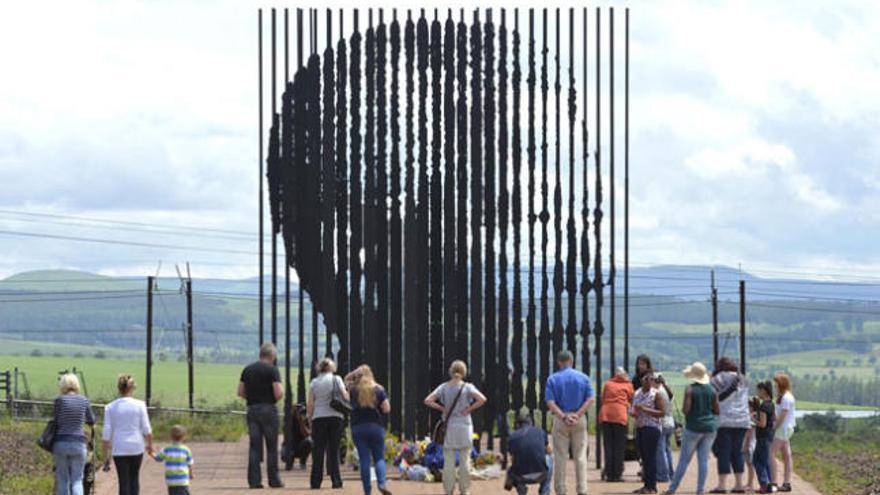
(149, 391)
(301, 377)
(612, 269)
(626, 191)
(274, 230)
(742, 326)
(260, 160)
(598, 283)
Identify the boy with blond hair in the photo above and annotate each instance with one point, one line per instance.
(178, 462)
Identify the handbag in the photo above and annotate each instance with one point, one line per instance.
(337, 402)
(439, 434)
(47, 438)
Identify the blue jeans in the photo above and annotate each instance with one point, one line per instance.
(70, 460)
(728, 450)
(664, 455)
(369, 439)
(761, 460)
(701, 443)
(647, 444)
(522, 488)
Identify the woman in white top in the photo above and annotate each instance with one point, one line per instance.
(459, 426)
(127, 431)
(733, 423)
(785, 423)
(327, 423)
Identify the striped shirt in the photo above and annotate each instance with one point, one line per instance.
(177, 458)
(71, 412)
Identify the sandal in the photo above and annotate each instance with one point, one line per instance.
(786, 487)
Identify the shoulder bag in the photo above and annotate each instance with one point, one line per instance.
(439, 434)
(47, 438)
(337, 402)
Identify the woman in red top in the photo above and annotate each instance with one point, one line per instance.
(614, 416)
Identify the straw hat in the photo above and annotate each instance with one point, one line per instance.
(697, 373)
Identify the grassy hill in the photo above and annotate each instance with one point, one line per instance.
(79, 314)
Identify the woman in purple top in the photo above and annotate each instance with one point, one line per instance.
(369, 406)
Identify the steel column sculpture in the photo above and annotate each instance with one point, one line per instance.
(396, 171)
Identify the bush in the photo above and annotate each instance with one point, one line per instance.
(830, 422)
(36, 353)
(100, 355)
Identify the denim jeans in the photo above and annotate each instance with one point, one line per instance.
(701, 443)
(128, 472)
(70, 460)
(761, 460)
(647, 444)
(369, 439)
(262, 421)
(664, 455)
(728, 450)
(327, 434)
(522, 488)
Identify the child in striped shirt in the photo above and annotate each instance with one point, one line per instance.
(178, 462)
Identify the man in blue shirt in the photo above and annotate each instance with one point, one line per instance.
(530, 458)
(569, 394)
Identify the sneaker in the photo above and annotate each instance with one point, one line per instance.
(786, 487)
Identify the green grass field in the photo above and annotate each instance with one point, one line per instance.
(215, 384)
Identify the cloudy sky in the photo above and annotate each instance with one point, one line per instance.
(754, 135)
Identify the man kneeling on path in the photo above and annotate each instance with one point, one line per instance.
(260, 386)
(531, 462)
(569, 394)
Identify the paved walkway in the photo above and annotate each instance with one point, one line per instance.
(221, 469)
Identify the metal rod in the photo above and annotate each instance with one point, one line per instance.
(260, 163)
(274, 311)
(612, 268)
(742, 326)
(626, 192)
(301, 377)
(598, 281)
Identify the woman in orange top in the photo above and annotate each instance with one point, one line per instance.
(616, 399)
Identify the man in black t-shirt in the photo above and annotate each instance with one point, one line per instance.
(531, 463)
(260, 386)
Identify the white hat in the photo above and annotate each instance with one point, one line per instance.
(697, 373)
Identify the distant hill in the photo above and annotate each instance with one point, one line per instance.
(670, 316)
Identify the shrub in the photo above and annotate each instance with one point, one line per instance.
(830, 422)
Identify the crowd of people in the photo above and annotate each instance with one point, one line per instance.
(744, 434)
(719, 418)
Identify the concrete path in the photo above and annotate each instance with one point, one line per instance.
(221, 469)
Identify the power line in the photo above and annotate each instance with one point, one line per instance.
(125, 243)
(185, 228)
(150, 230)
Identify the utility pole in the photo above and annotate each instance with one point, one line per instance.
(742, 325)
(149, 391)
(186, 287)
(714, 321)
